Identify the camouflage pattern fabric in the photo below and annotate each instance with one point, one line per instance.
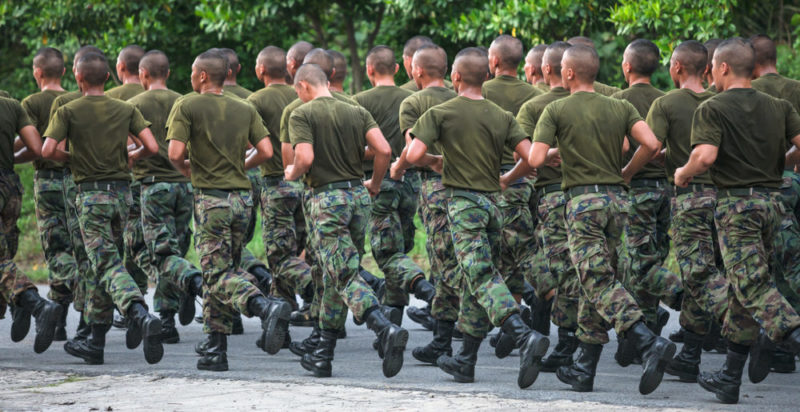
(137, 258)
(51, 220)
(12, 281)
(312, 254)
(518, 241)
(250, 261)
(595, 222)
(412, 183)
(78, 246)
(787, 246)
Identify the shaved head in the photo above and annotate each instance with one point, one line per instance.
(156, 63)
(535, 55)
(231, 56)
(381, 59)
(298, 51)
(82, 52)
(583, 61)
(643, 56)
(581, 41)
(50, 61)
(214, 64)
(432, 60)
(693, 57)
(473, 66)
(322, 59)
(553, 55)
(738, 54)
(93, 67)
(339, 66)
(766, 52)
(130, 57)
(274, 61)
(508, 50)
(415, 43)
(711, 46)
(311, 74)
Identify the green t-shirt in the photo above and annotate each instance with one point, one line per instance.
(12, 119)
(780, 87)
(605, 89)
(62, 100)
(287, 113)
(472, 135)
(543, 86)
(97, 129)
(338, 133)
(237, 91)
(37, 106)
(670, 118)
(751, 130)
(412, 85)
(418, 103)
(641, 97)
(125, 91)
(528, 116)
(216, 129)
(155, 106)
(383, 104)
(509, 93)
(589, 129)
(270, 102)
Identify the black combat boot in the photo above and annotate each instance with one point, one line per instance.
(215, 357)
(120, 322)
(392, 339)
(169, 334)
(45, 312)
(201, 347)
(677, 336)
(91, 348)
(395, 316)
(60, 333)
(791, 342)
(662, 318)
(655, 352)
(302, 316)
(422, 316)
(686, 365)
(263, 278)
(462, 365)
(725, 383)
(714, 340)
(562, 354)
(84, 330)
(20, 323)
(532, 347)
(308, 344)
(504, 344)
(441, 344)
(782, 362)
(319, 360)
(187, 308)
(540, 310)
(342, 333)
(375, 283)
(422, 290)
(148, 328)
(287, 342)
(580, 374)
(238, 326)
(760, 358)
(274, 314)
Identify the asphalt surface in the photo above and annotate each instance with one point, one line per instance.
(357, 365)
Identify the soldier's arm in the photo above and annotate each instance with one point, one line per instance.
(177, 155)
(18, 144)
(382, 153)
(54, 150)
(148, 147)
(793, 155)
(303, 158)
(262, 152)
(648, 148)
(418, 154)
(33, 145)
(522, 168)
(701, 159)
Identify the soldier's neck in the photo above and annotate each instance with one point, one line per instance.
(693, 83)
(51, 84)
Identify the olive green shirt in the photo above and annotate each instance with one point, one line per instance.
(37, 106)
(605, 89)
(509, 93)
(528, 116)
(97, 129)
(287, 113)
(270, 102)
(472, 135)
(780, 87)
(642, 96)
(217, 130)
(383, 104)
(751, 130)
(155, 106)
(418, 103)
(412, 85)
(543, 86)
(338, 133)
(589, 129)
(670, 118)
(237, 91)
(62, 100)
(125, 91)
(12, 119)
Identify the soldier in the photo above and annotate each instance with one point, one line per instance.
(533, 67)
(339, 70)
(601, 88)
(328, 137)
(428, 69)
(48, 191)
(217, 128)
(231, 85)
(552, 229)
(97, 128)
(128, 73)
(15, 287)
(166, 205)
(590, 131)
(705, 301)
(412, 45)
(711, 46)
(746, 159)
(472, 134)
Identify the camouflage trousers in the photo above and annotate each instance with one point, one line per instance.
(137, 257)
(283, 230)
(445, 274)
(646, 248)
(51, 220)
(221, 219)
(166, 227)
(413, 183)
(78, 245)
(249, 261)
(518, 244)
(395, 202)
(694, 236)
(476, 228)
(554, 246)
(595, 222)
(340, 222)
(312, 253)
(12, 281)
(747, 227)
(103, 213)
(787, 241)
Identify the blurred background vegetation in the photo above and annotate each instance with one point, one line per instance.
(183, 29)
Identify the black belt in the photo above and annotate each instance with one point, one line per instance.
(745, 191)
(660, 182)
(694, 187)
(51, 173)
(270, 180)
(344, 184)
(429, 174)
(105, 185)
(555, 187)
(218, 193)
(466, 193)
(587, 189)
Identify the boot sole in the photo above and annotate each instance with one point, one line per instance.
(133, 337)
(187, 310)
(274, 329)
(531, 362)
(86, 358)
(422, 357)
(576, 387)
(652, 378)
(46, 331)
(213, 368)
(457, 375)
(393, 357)
(319, 373)
(153, 349)
(20, 328)
(721, 396)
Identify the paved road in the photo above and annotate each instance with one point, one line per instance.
(357, 365)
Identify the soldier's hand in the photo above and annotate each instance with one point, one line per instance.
(533, 174)
(554, 160)
(626, 175)
(503, 184)
(373, 191)
(681, 180)
(131, 160)
(288, 172)
(438, 166)
(395, 172)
